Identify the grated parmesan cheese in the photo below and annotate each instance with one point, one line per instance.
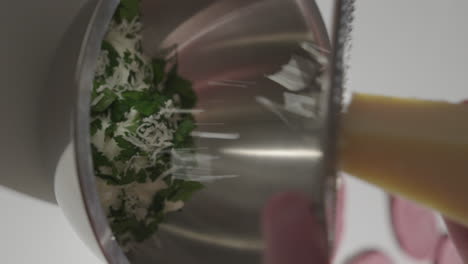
(134, 127)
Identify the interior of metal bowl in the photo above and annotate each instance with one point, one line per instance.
(257, 134)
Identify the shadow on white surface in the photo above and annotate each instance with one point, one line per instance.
(36, 232)
(32, 231)
(33, 30)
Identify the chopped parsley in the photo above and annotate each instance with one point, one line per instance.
(107, 97)
(175, 84)
(135, 128)
(96, 125)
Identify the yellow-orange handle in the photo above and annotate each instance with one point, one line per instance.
(415, 148)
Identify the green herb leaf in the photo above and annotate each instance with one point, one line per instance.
(155, 172)
(122, 223)
(118, 110)
(159, 200)
(126, 154)
(133, 128)
(141, 232)
(132, 97)
(128, 57)
(120, 211)
(113, 179)
(139, 61)
(128, 9)
(145, 102)
(95, 126)
(94, 94)
(183, 190)
(147, 107)
(110, 130)
(156, 219)
(159, 66)
(112, 55)
(128, 177)
(175, 84)
(128, 149)
(97, 82)
(141, 176)
(99, 159)
(108, 98)
(131, 76)
(179, 190)
(110, 179)
(122, 143)
(168, 179)
(182, 136)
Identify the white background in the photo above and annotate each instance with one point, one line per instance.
(406, 48)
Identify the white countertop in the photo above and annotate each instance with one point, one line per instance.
(33, 231)
(388, 57)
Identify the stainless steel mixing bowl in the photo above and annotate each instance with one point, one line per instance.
(263, 137)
